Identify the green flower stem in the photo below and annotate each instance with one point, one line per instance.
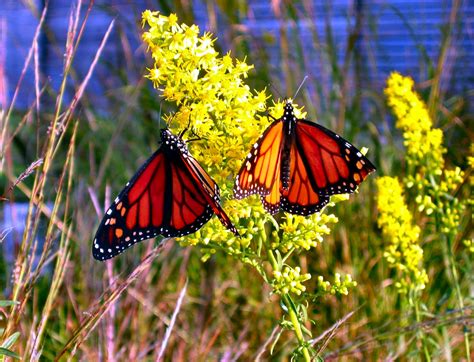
(296, 326)
(423, 337)
(454, 273)
(291, 312)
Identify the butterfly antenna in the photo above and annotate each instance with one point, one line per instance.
(196, 137)
(187, 127)
(302, 82)
(159, 114)
(279, 94)
(276, 90)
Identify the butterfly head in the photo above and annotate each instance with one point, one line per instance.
(172, 141)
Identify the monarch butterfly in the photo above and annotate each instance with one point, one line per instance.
(297, 164)
(170, 195)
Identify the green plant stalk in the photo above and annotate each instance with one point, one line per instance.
(62, 255)
(36, 199)
(423, 337)
(454, 274)
(296, 326)
(37, 194)
(449, 258)
(293, 317)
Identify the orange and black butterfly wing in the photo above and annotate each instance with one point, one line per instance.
(261, 169)
(211, 192)
(300, 197)
(332, 164)
(272, 201)
(163, 198)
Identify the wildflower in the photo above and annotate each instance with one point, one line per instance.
(403, 252)
(341, 285)
(289, 280)
(423, 143)
(434, 185)
(469, 244)
(436, 192)
(210, 93)
(301, 232)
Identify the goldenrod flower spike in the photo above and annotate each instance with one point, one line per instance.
(424, 144)
(403, 251)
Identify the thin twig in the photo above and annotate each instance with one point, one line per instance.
(172, 322)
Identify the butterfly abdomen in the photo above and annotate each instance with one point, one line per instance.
(289, 123)
(285, 161)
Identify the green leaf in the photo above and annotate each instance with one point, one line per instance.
(303, 311)
(8, 303)
(8, 353)
(274, 222)
(279, 260)
(275, 341)
(306, 331)
(287, 325)
(10, 340)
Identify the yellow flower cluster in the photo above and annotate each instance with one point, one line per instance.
(403, 253)
(435, 186)
(341, 284)
(469, 244)
(449, 208)
(424, 144)
(289, 280)
(251, 217)
(302, 232)
(211, 96)
(209, 92)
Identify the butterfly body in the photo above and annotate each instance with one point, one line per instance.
(297, 164)
(170, 195)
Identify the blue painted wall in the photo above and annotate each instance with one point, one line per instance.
(392, 32)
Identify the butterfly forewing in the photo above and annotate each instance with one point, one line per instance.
(211, 192)
(152, 203)
(334, 165)
(261, 167)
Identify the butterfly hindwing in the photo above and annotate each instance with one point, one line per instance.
(334, 165)
(300, 197)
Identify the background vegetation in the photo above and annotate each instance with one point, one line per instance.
(67, 157)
